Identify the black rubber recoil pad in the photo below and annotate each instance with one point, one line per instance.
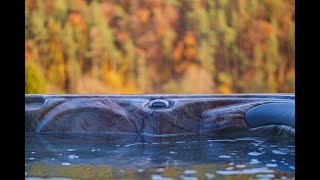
(271, 113)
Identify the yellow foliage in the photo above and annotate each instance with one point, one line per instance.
(129, 86)
(34, 80)
(55, 49)
(224, 89)
(225, 78)
(113, 80)
(56, 74)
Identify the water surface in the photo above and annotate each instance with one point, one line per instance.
(131, 156)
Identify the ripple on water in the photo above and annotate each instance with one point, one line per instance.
(229, 168)
(158, 177)
(254, 161)
(246, 171)
(236, 156)
(160, 170)
(222, 140)
(265, 175)
(188, 172)
(271, 165)
(188, 178)
(256, 144)
(260, 141)
(71, 149)
(209, 175)
(255, 153)
(278, 152)
(224, 156)
(54, 178)
(246, 139)
(240, 166)
(73, 156)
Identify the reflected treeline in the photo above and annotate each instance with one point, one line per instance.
(87, 171)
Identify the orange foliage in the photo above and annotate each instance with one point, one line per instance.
(143, 15)
(107, 9)
(190, 46)
(79, 5)
(171, 14)
(178, 52)
(179, 68)
(77, 20)
(189, 39)
(190, 53)
(122, 36)
(30, 4)
(259, 33)
(28, 51)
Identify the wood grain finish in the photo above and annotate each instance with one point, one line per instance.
(198, 114)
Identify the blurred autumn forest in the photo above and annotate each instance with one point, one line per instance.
(159, 46)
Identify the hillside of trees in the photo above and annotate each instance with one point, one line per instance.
(159, 46)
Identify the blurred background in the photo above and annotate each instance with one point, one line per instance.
(159, 46)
